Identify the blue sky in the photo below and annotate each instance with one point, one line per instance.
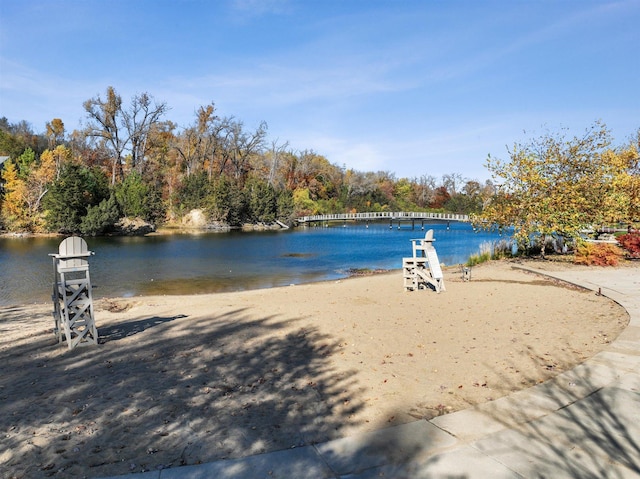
(405, 86)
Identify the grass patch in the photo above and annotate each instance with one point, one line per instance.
(491, 250)
(365, 271)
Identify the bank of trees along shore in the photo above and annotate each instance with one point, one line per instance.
(130, 160)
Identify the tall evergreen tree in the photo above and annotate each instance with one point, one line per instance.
(70, 196)
(139, 199)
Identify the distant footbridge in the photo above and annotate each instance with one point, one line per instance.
(398, 217)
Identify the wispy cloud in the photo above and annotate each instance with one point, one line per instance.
(478, 48)
(290, 85)
(410, 87)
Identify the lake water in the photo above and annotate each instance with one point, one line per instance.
(214, 262)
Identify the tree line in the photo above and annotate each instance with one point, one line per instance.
(129, 160)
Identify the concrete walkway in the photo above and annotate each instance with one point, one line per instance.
(585, 423)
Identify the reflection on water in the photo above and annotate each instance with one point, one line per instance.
(205, 263)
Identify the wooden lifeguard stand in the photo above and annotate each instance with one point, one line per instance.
(423, 268)
(72, 299)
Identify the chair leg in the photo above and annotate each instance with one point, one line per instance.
(76, 318)
(57, 313)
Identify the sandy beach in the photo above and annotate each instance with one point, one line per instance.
(182, 380)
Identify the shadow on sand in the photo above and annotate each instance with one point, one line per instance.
(169, 391)
(130, 328)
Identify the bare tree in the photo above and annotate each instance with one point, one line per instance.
(359, 183)
(192, 144)
(277, 151)
(105, 123)
(452, 182)
(122, 130)
(220, 133)
(139, 120)
(186, 145)
(424, 190)
(241, 147)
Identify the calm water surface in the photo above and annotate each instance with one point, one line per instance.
(214, 262)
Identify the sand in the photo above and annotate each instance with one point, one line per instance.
(188, 379)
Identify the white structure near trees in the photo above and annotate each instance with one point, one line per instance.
(72, 300)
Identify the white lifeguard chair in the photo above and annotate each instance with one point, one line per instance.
(72, 299)
(423, 268)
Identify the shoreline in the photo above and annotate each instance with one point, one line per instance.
(351, 273)
(163, 230)
(196, 378)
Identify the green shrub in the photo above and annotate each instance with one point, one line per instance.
(193, 191)
(137, 198)
(100, 218)
(69, 197)
(262, 203)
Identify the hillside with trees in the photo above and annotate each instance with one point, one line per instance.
(130, 161)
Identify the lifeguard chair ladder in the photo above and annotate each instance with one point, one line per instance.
(72, 299)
